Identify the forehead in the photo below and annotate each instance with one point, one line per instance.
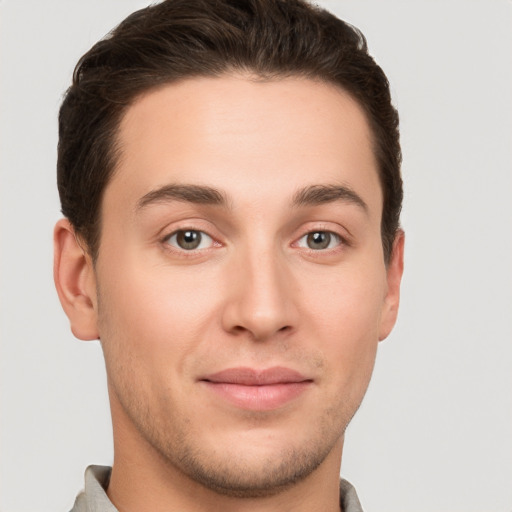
(239, 134)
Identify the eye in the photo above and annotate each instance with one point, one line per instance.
(189, 240)
(319, 240)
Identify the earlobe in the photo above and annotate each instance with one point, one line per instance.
(75, 281)
(395, 270)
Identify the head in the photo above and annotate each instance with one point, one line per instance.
(230, 172)
(175, 40)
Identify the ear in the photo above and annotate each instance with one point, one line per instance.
(75, 281)
(394, 273)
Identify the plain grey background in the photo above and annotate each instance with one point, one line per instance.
(435, 430)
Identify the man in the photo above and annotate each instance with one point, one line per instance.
(229, 173)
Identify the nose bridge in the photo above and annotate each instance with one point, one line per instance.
(262, 298)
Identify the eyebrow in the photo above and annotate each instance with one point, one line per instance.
(312, 195)
(321, 194)
(197, 194)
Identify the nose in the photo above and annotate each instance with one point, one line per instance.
(261, 299)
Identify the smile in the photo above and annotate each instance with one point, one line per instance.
(257, 390)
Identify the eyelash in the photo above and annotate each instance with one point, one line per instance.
(341, 242)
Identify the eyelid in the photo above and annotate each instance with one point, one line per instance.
(333, 227)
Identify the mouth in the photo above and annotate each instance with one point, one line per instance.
(257, 390)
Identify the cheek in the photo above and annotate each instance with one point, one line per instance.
(153, 318)
(349, 302)
(346, 310)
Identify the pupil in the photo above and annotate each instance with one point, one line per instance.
(319, 240)
(188, 239)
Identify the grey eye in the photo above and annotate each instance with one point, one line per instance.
(190, 239)
(319, 240)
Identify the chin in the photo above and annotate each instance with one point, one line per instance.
(262, 476)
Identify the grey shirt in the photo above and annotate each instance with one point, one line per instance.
(95, 499)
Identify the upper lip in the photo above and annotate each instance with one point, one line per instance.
(246, 376)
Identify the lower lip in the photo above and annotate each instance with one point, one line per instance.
(258, 398)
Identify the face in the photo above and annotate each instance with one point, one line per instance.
(240, 287)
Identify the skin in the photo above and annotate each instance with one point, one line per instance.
(254, 294)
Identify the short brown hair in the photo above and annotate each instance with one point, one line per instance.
(179, 39)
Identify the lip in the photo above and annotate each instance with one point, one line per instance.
(257, 390)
